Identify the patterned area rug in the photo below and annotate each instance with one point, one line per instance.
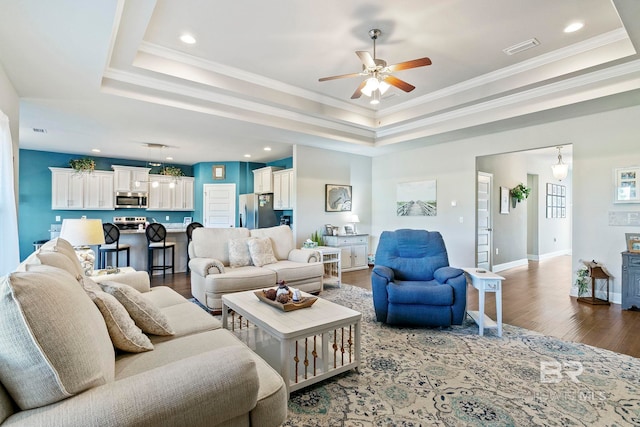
(453, 377)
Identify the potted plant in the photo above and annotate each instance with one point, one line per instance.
(519, 193)
(83, 165)
(171, 171)
(582, 281)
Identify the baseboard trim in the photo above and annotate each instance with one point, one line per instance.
(533, 257)
(508, 265)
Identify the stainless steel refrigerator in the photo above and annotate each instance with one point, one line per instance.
(256, 211)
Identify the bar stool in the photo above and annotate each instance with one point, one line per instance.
(112, 245)
(157, 240)
(190, 229)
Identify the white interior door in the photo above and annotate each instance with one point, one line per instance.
(219, 205)
(484, 228)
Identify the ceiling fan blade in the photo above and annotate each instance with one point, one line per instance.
(409, 64)
(358, 93)
(400, 84)
(366, 59)
(342, 76)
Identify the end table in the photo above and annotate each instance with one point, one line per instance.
(486, 281)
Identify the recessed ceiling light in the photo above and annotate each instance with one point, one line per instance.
(187, 39)
(95, 150)
(267, 148)
(573, 27)
(169, 158)
(247, 155)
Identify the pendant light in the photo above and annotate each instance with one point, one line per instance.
(560, 170)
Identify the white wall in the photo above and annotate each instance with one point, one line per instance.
(601, 142)
(314, 169)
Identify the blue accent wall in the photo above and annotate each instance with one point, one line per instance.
(35, 215)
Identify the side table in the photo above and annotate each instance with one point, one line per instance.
(331, 258)
(486, 281)
(103, 272)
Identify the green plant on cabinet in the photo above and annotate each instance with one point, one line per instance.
(83, 165)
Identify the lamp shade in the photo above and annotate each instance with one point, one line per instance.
(82, 232)
(560, 171)
(355, 218)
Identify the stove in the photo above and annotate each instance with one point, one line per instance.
(129, 222)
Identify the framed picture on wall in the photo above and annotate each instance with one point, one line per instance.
(627, 182)
(337, 198)
(218, 172)
(504, 200)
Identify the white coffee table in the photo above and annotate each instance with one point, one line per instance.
(486, 281)
(305, 346)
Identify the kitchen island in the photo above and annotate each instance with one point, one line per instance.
(138, 242)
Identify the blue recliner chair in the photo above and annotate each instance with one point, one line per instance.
(412, 282)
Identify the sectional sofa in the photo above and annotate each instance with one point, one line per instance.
(227, 260)
(58, 365)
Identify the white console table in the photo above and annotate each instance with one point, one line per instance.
(353, 250)
(486, 281)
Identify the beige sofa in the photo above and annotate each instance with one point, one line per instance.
(58, 366)
(222, 262)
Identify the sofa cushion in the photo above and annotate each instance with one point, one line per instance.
(187, 319)
(123, 331)
(64, 247)
(143, 312)
(281, 239)
(290, 271)
(240, 279)
(239, 255)
(261, 251)
(213, 242)
(58, 344)
(164, 296)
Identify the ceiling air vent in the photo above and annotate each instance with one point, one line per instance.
(522, 46)
(39, 130)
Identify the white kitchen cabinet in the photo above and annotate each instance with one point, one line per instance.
(283, 189)
(67, 189)
(353, 250)
(98, 190)
(183, 197)
(263, 179)
(160, 193)
(170, 194)
(130, 178)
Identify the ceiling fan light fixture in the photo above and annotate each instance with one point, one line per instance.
(375, 97)
(383, 87)
(371, 85)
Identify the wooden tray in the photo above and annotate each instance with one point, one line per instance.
(290, 306)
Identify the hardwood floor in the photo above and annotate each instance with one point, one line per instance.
(534, 297)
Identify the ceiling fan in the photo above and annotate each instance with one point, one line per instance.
(380, 78)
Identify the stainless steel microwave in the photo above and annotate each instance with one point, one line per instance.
(131, 200)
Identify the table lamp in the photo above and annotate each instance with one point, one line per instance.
(82, 233)
(355, 219)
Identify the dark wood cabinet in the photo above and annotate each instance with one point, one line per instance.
(630, 280)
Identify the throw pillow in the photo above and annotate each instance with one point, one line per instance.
(55, 259)
(261, 252)
(64, 247)
(88, 284)
(239, 252)
(144, 313)
(57, 345)
(123, 331)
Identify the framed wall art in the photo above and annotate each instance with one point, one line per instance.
(417, 199)
(504, 200)
(337, 198)
(633, 242)
(218, 172)
(556, 201)
(627, 182)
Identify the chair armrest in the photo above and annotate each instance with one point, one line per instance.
(445, 273)
(205, 266)
(304, 255)
(383, 272)
(206, 389)
(139, 280)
